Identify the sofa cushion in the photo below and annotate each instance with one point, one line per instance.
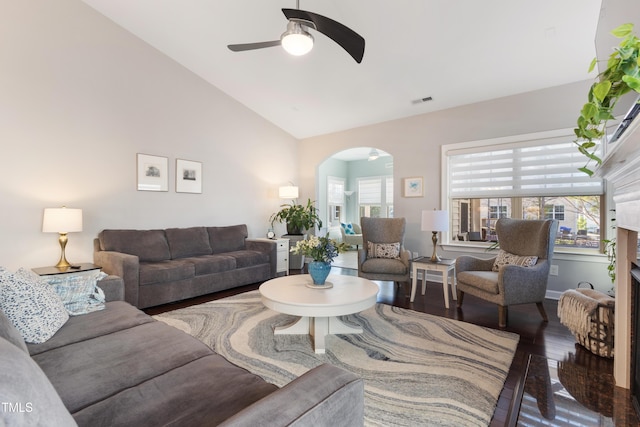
(249, 258)
(31, 305)
(165, 271)
(24, 385)
(227, 239)
(188, 242)
(116, 316)
(211, 264)
(89, 371)
(207, 391)
(148, 245)
(79, 292)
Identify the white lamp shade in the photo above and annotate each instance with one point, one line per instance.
(435, 220)
(62, 220)
(288, 192)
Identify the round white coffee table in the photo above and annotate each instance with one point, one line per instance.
(318, 308)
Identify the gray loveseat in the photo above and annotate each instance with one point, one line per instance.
(120, 367)
(163, 266)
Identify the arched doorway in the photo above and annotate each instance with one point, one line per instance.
(352, 183)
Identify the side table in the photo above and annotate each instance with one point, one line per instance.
(282, 254)
(296, 262)
(444, 266)
(50, 271)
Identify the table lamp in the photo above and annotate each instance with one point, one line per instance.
(288, 192)
(62, 221)
(435, 221)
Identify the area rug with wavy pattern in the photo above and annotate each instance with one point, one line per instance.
(418, 369)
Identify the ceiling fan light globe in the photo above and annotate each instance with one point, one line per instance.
(296, 41)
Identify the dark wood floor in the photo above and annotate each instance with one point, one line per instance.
(547, 342)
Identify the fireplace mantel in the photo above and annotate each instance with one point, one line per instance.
(621, 168)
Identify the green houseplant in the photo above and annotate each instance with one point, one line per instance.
(621, 76)
(298, 218)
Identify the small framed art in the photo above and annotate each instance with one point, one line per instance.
(188, 176)
(153, 173)
(412, 187)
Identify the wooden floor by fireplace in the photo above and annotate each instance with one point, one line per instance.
(552, 380)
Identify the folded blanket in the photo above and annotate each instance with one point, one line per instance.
(576, 306)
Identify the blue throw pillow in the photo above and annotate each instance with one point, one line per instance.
(348, 228)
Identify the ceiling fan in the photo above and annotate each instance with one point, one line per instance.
(298, 41)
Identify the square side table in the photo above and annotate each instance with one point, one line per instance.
(50, 271)
(444, 266)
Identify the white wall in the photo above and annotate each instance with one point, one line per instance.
(79, 97)
(415, 144)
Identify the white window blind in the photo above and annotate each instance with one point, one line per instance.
(389, 186)
(542, 167)
(335, 190)
(370, 191)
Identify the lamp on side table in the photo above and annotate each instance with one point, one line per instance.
(435, 221)
(62, 220)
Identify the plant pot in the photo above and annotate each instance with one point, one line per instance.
(319, 270)
(295, 230)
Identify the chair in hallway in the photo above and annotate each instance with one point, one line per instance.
(383, 256)
(518, 274)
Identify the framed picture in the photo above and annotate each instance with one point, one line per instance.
(188, 176)
(153, 173)
(412, 187)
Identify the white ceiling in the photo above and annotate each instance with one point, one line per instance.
(458, 52)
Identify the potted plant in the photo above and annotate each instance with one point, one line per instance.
(621, 76)
(298, 218)
(322, 250)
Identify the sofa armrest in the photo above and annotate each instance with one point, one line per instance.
(113, 288)
(268, 247)
(125, 266)
(325, 396)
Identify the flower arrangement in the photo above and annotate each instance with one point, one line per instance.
(322, 249)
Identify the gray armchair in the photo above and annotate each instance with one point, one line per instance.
(382, 267)
(511, 284)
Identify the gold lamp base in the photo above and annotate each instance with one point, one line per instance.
(434, 239)
(63, 263)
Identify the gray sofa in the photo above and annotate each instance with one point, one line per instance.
(163, 266)
(120, 367)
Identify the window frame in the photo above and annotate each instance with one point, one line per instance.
(492, 144)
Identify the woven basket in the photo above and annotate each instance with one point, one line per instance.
(600, 338)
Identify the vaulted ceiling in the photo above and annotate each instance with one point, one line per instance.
(456, 52)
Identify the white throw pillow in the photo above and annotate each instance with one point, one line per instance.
(79, 292)
(505, 258)
(383, 250)
(31, 305)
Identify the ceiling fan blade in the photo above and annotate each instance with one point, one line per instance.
(350, 41)
(252, 46)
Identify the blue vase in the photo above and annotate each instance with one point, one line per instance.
(319, 270)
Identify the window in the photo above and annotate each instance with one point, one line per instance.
(529, 177)
(372, 200)
(554, 212)
(335, 199)
(496, 212)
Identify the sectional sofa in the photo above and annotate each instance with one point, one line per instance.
(163, 266)
(120, 367)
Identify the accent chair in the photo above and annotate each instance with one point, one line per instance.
(383, 256)
(518, 274)
(352, 239)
